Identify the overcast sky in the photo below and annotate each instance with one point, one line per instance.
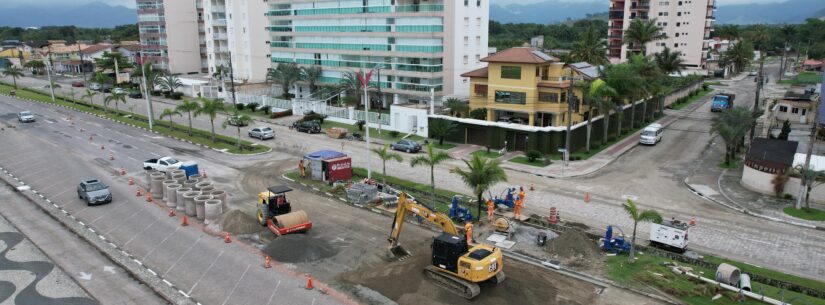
(131, 3)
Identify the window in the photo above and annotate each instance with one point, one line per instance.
(465, 59)
(511, 72)
(795, 110)
(676, 45)
(783, 108)
(679, 14)
(548, 97)
(478, 21)
(478, 3)
(677, 34)
(804, 111)
(478, 40)
(467, 2)
(466, 40)
(478, 58)
(678, 24)
(511, 97)
(466, 21)
(480, 90)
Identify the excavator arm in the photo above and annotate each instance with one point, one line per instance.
(406, 206)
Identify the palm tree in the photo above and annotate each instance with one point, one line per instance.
(220, 73)
(640, 32)
(35, 65)
(384, 153)
(115, 97)
(170, 83)
(732, 126)
(602, 96)
(310, 75)
(237, 118)
(13, 72)
(457, 107)
(624, 81)
(90, 95)
(101, 78)
(188, 106)
(170, 112)
(481, 174)
(72, 94)
(432, 158)
(585, 86)
(350, 84)
(590, 48)
(648, 74)
(669, 61)
(210, 107)
(440, 129)
(284, 74)
(637, 216)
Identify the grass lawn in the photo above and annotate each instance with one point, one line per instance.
(385, 135)
(808, 78)
(700, 94)
(805, 213)
(597, 147)
(524, 160)
(483, 153)
(715, 83)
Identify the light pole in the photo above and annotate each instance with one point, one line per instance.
(365, 82)
(48, 56)
(146, 90)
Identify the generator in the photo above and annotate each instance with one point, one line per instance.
(671, 235)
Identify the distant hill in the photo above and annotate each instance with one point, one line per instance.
(91, 15)
(791, 11)
(552, 11)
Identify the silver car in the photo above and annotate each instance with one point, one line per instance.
(25, 116)
(94, 192)
(262, 133)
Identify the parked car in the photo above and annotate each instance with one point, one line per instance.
(106, 88)
(163, 164)
(135, 94)
(408, 146)
(94, 192)
(652, 134)
(752, 73)
(95, 87)
(25, 116)
(77, 84)
(119, 90)
(234, 122)
(307, 126)
(262, 133)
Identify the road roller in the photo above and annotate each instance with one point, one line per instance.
(275, 212)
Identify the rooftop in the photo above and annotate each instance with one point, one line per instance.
(525, 55)
(96, 48)
(773, 150)
(476, 73)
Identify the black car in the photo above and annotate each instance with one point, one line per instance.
(94, 192)
(106, 88)
(135, 94)
(307, 126)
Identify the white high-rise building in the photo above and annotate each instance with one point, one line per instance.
(169, 35)
(237, 28)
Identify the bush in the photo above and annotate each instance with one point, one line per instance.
(240, 106)
(287, 96)
(267, 109)
(705, 86)
(314, 117)
(281, 114)
(479, 114)
(394, 134)
(253, 106)
(532, 155)
(176, 95)
(788, 196)
(155, 93)
(360, 125)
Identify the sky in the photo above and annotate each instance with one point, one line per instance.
(131, 3)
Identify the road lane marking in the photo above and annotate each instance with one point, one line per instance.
(236, 285)
(138, 211)
(273, 292)
(141, 232)
(161, 243)
(182, 255)
(205, 272)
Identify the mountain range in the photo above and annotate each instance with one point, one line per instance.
(91, 15)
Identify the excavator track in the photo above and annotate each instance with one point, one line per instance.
(456, 285)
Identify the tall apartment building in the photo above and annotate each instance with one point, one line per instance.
(687, 23)
(168, 34)
(237, 28)
(422, 46)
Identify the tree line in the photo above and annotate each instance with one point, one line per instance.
(70, 33)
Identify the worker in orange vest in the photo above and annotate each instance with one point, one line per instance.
(519, 204)
(490, 209)
(302, 168)
(468, 228)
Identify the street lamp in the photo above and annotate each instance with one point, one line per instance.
(365, 81)
(146, 90)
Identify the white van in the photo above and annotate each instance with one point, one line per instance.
(652, 134)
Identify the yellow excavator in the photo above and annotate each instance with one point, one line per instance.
(456, 266)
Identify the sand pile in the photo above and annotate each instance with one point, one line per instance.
(573, 243)
(299, 248)
(237, 222)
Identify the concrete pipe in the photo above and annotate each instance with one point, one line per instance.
(212, 209)
(176, 172)
(180, 203)
(157, 187)
(179, 178)
(207, 189)
(200, 202)
(202, 184)
(149, 173)
(221, 195)
(189, 202)
(196, 177)
(154, 175)
(172, 195)
(190, 184)
(166, 183)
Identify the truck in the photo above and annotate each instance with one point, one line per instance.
(162, 164)
(671, 235)
(722, 101)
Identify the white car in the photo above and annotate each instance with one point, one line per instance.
(262, 133)
(25, 116)
(95, 87)
(652, 134)
(119, 91)
(163, 164)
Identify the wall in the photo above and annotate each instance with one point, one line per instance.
(454, 48)
(671, 98)
(760, 182)
(181, 37)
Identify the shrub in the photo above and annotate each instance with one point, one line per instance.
(287, 96)
(394, 134)
(240, 106)
(788, 196)
(312, 116)
(360, 125)
(267, 109)
(155, 93)
(176, 95)
(705, 86)
(479, 114)
(532, 155)
(281, 114)
(253, 106)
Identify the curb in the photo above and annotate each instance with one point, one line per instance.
(118, 255)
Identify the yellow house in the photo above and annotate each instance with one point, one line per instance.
(525, 86)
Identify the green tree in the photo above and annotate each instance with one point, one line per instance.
(239, 119)
(169, 113)
(170, 83)
(601, 96)
(90, 95)
(457, 107)
(624, 81)
(669, 61)
(36, 66)
(210, 108)
(14, 73)
(310, 75)
(740, 55)
(480, 175)
(384, 153)
(108, 59)
(431, 158)
(285, 74)
(114, 97)
(590, 48)
(188, 106)
(220, 74)
(72, 94)
(732, 125)
(478, 114)
(440, 129)
(351, 85)
(638, 216)
(640, 32)
(786, 131)
(648, 75)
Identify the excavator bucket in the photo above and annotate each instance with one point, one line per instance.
(397, 253)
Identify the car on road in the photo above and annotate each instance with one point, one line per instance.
(307, 126)
(25, 116)
(408, 146)
(94, 192)
(135, 94)
(95, 87)
(752, 73)
(162, 164)
(77, 84)
(106, 88)
(119, 90)
(262, 133)
(652, 134)
(234, 122)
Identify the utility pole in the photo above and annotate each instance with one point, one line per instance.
(803, 187)
(569, 119)
(759, 81)
(232, 82)
(48, 71)
(81, 63)
(782, 63)
(146, 92)
(365, 82)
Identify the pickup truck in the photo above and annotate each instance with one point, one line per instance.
(722, 101)
(162, 164)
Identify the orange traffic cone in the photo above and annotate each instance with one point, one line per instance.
(131, 181)
(122, 171)
(148, 197)
(267, 262)
(692, 221)
(172, 213)
(139, 192)
(586, 197)
(309, 282)
(204, 175)
(111, 156)
(228, 238)
(185, 221)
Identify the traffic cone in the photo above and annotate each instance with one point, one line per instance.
(309, 282)
(228, 238)
(111, 156)
(267, 262)
(172, 213)
(204, 175)
(692, 221)
(131, 181)
(138, 194)
(148, 197)
(586, 197)
(185, 221)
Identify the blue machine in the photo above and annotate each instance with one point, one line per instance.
(458, 212)
(190, 167)
(509, 200)
(615, 244)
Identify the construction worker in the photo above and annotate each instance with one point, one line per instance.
(519, 204)
(490, 209)
(468, 228)
(302, 168)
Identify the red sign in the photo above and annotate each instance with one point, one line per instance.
(339, 169)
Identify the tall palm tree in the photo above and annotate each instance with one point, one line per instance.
(90, 95)
(640, 32)
(285, 74)
(169, 113)
(457, 107)
(590, 48)
(740, 55)
(13, 72)
(624, 81)
(431, 158)
(210, 108)
(72, 94)
(189, 106)
(481, 174)
(648, 74)
(732, 125)
(602, 97)
(239, 119)
(310, 75)
(440, 129)
(351, 85)
(585, 86)
(115, 97)
(384, 153)
(669, 61)
(170, 83)
(637, 216)
(220, 73)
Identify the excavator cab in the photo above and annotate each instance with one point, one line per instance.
(273, 202)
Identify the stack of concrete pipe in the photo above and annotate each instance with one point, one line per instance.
(200, 185)
(221, 195)
(189, 202)
(157, 185)
(179, 176)
(200, 208)
(149, 173)
(180, 203)
(172, 195)
(196, 177)
(212, 210)
(166, 184)
(190, 184)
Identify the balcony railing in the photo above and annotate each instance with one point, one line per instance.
(359, 10)
(218, 9)
(219, 36)
(616, 15)
(221, 50)
(614, 36)
(219, 22)
(640, 7)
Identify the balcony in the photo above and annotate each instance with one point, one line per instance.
(279, 28)
(710, 17)
(219, 36)
(219, 22)
(616, 15)
(218, 9)
(414, 8)
(641, 6)
(614, 36)
(221, 50)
